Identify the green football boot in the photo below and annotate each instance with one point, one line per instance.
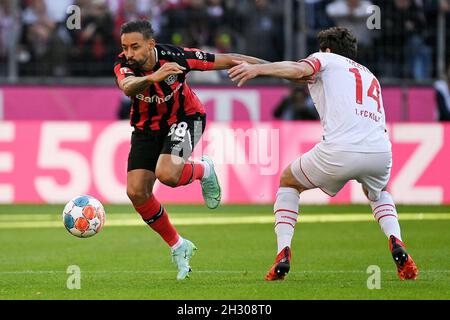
(210, 186)
(181, 257)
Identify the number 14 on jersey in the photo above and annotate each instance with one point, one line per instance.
(373, 92)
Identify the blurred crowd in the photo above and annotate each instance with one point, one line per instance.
(405, 45)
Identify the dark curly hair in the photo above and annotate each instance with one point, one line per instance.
(339, 40)
(142, 26)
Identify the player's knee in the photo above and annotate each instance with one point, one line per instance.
(287, 180)
(168, 177)
(137, 196)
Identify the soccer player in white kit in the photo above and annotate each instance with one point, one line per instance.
(355, 144)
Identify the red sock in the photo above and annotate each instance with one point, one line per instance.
(154, 214)
(191, 171)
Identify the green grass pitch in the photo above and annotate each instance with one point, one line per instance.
(332, 248)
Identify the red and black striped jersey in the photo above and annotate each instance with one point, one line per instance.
(163, 103)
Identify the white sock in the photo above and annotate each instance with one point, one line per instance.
(178, 244)
(286, 212)
(207, 170)
(385, 213)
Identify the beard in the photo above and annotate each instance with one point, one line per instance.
(137, 63)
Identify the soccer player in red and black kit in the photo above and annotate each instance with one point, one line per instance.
(168, 121)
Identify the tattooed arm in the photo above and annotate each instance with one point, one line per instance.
(134, 85)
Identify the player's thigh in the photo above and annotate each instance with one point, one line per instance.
(183, 136)
(169, 168)
(376, 174)
(145, 150)
(142, 159)
(319, 168)
(178, 145)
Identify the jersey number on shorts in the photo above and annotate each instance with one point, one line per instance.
(373, 92)
(179, 129)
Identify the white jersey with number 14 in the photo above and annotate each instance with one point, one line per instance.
(348, 99)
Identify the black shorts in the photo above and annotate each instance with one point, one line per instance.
(179, 140)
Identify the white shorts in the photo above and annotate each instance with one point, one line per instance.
(331, 170)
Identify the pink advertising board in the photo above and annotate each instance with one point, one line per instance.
(53, 161)
(102, 103)
(221, 103)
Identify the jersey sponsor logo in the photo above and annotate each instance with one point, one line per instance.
(125, 70)
(171, 79)
(157, 99)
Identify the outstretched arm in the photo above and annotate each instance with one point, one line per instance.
(289, 70)
(228, 60)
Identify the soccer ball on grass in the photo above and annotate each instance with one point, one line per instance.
(84, 216)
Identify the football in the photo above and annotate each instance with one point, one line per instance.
(84, 216)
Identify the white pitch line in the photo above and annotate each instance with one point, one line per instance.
(6, 223)
(22, 272)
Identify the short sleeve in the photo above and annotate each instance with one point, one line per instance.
(199, 60)
(122, 70)
(318, 61)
